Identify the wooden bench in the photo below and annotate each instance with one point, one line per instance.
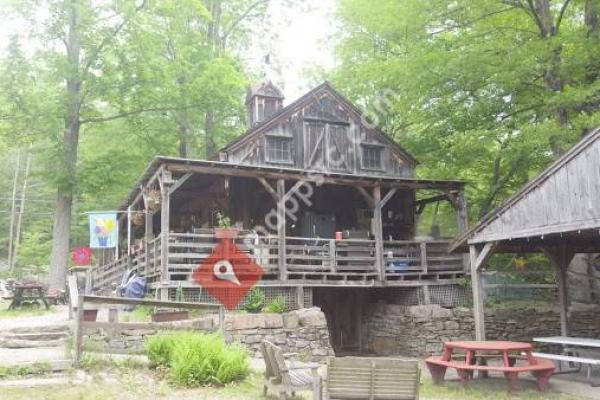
(541, 369)
(372, 378)
(285, 378)
(588, 362)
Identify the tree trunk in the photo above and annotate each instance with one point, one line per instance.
(64, 197)
(13, 210)
(17, 239)
(209, 128)
(591, 17)
(184, 135)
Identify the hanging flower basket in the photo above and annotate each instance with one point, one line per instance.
(137, 218)
(153, 200)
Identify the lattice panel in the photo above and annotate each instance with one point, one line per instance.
(449, 295)
(271, 293)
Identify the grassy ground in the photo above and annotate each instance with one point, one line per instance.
(25, 311)
(131, 382)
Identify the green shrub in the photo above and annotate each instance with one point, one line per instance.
(159, 349)
(277, 306)
(198, 359)
(256, 301)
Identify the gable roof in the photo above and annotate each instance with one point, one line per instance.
(302, 101)
(476, 233)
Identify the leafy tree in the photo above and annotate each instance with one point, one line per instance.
(487, 91)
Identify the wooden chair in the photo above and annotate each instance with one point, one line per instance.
(372, 379)
(285, 378)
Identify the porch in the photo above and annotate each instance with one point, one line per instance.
(302, 227)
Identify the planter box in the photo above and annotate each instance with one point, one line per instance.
(226, 233)
(167, 316)
(90, 315)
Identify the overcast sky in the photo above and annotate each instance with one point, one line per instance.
(299, 41)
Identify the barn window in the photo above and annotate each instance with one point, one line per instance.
(371, 157)
(279, 149)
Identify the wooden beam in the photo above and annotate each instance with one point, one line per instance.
(478, 258)
(293, 190)
(179, 182)
(484, 254)
(368, 198)
(387, 197)
(269, 188)
(281, 229)
(561, 256)
(326, 178)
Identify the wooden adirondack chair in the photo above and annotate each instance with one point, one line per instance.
(372, 379)
(285, 378)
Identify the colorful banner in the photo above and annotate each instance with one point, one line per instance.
(104, 230)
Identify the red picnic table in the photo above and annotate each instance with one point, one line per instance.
(510, 352)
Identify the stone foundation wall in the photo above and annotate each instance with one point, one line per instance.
(301, 331)
(421, 330)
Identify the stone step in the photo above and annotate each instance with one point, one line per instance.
(25, 344)
(35, 329)
(44, 336)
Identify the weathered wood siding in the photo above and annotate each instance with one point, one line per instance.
(566, 199)
(325, 135)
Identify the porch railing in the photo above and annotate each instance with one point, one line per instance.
(306, 259)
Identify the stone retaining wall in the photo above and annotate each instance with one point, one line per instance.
(301, 331)
(421, 330)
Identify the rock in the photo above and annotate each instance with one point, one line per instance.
(384, 346)
(291, 320)
(138, 332)
(311, 317)
(451, 325)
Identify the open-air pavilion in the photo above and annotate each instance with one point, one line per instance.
(556, 213)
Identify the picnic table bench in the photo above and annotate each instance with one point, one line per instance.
(510, 352)
(572, 356)
(28, 291)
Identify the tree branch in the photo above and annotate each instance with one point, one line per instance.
(93, 57)
(137, 112)
(561, 14)
(240, 18)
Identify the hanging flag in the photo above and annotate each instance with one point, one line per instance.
(104, 230)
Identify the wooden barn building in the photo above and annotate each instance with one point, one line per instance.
(326, 203)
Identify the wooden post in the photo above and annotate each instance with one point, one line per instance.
(424, 264)
(164, 248)
(300, 297)
(281, 229)
(478, 258)
(128, 230)
(378, 232)
(561, 258)
(462, 216)
(78, 331)
(222, 318)
(462, 220)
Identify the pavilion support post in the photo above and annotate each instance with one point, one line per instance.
(478, 257)
(281, 198)
(561, 257)
(378, 232)
(165, 209)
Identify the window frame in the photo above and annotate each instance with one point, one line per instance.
(269, 151)
(364, 148)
